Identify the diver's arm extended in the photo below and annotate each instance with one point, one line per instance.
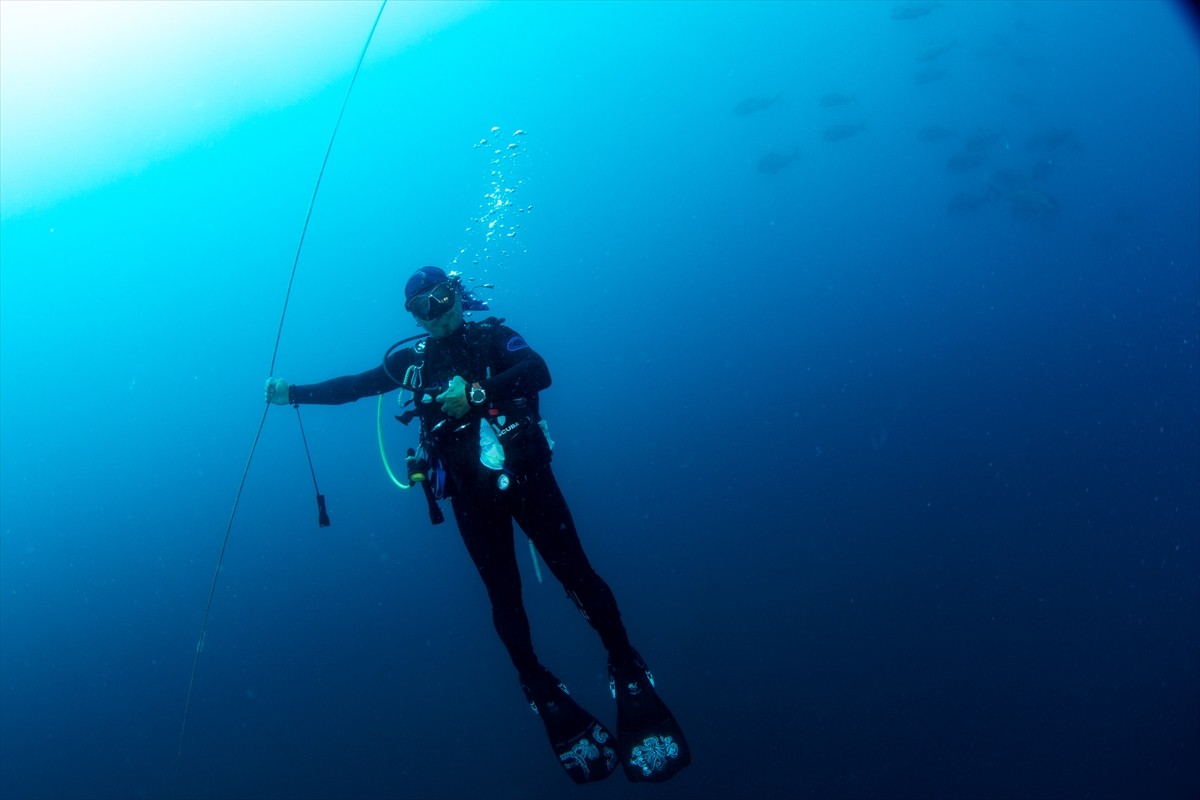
(349, 388)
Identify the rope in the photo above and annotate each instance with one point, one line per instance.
(300, 246)
(257, 435)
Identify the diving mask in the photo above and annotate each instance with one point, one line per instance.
(432, 304)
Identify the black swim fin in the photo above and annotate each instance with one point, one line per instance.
(651, 743)
(585, 748)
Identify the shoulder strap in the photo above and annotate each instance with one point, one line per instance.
(481, 338)
(479, 332)
(487, 324)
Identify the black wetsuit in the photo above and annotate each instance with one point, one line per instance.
(512, 374)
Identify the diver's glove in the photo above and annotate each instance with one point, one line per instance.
(278, 391)
(454, 399)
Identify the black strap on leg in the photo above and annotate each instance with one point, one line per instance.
(435, 511)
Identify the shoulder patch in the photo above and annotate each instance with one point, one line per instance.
(516, 343)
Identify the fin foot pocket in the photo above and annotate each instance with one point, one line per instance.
(585, 748)
(651, 743)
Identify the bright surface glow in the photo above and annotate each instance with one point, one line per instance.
(94, 89)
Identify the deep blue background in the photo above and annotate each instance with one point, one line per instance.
(896, 502)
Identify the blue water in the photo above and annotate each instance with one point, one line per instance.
(898, 500)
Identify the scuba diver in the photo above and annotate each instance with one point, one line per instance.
(484, 446)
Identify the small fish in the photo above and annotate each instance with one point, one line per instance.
(965, 160)
(913, 9)
(935, 133)
(1022, 100)
(1053, 139)
(835, 99)
(1007, 179)
(929, 75)
(836, 133)
(1030, 204)
(1042, 168)
(773, 163)
(753, 105)
(519, 132)
(936, 51)
(984, 139)
(481, 143)
(996, 46)
(963, 203)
